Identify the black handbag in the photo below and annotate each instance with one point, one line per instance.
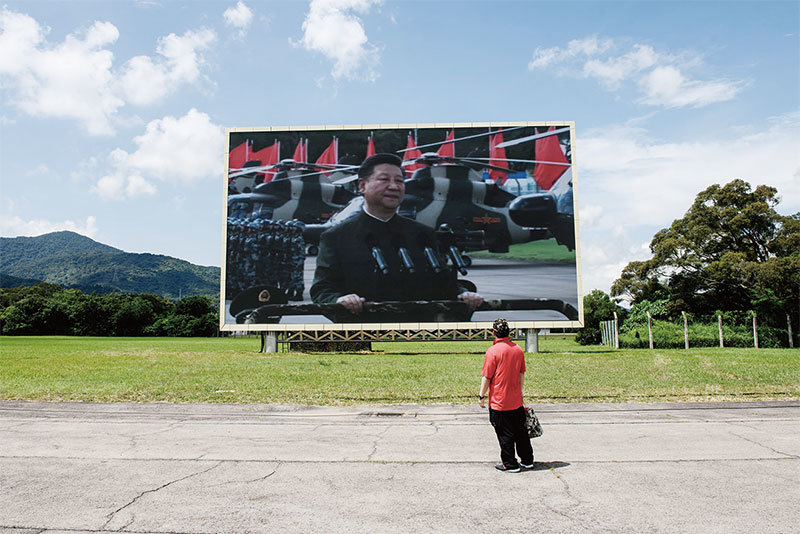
(532, 424)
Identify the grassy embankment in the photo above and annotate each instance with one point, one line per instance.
(230, 370)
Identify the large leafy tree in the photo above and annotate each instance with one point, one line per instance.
(731, 251)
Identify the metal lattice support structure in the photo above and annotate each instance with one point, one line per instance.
(439, 334)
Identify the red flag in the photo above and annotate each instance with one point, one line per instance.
(299, 155)
(549, 149)
(370, 146)
(330, 155)
(270, 155)
(448, 150)
(411, 153)
(497, 157)
(239, 155)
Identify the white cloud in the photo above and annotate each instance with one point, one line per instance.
(122, 181)
(589, 46)
(145, 80)
(613, 71)
(138, 186)
(590, 214)
(544, 57)
(186, 148)
(75, 79)
(667, 86)
(70, 80)
(85, 170)
(14, 226)
(662, 78)
(40, 170)
(331, 29)
(630, 186)
(239, 17)
(183, 149)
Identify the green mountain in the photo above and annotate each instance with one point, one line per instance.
(73, 260)
(7, 281)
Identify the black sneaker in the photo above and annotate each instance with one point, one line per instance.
(526, 466)
(505, 469)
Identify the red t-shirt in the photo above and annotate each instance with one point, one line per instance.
(502, 366)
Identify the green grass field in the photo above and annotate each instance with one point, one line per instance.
(231, 370)
(546, 250)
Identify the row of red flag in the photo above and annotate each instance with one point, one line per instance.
(546, 149)
(270, 155)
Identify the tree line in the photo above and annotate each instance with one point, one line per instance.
(49, 309)
(731, 254)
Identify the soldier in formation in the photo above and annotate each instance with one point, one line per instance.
(265, 252)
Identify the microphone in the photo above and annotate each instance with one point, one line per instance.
(430, 254)
(377, 255)
(458, 261)
(405, 257)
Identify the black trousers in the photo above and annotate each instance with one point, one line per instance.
(509, 425)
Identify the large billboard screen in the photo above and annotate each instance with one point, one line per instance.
(411, 226)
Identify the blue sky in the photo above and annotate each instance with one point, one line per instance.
(113, 113)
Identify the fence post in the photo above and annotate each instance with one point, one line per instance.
(719, 321)
(755, 331)
(616, 331)
(789, 327)
(685, 330)
(650, 329)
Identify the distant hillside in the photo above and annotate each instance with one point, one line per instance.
(73, 260)
(7, 281)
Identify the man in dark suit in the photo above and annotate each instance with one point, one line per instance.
(378, 255)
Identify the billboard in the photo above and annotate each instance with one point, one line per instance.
(408, 226)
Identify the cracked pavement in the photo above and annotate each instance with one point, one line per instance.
(162, 468)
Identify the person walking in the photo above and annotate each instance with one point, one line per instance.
(502, 378)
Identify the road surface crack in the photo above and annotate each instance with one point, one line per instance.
(570, 507)
(259, 479)
(375, 443)
(776, 451)
(113, 514)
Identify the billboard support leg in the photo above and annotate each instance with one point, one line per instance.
(269, 342)
(532, 340)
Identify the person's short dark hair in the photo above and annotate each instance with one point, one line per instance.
(369, 164)
(500, 328)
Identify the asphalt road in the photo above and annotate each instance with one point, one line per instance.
(160, 468)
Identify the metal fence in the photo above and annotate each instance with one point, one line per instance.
(730, 329)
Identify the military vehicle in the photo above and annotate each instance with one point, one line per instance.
(449, 193)
(297, 191)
